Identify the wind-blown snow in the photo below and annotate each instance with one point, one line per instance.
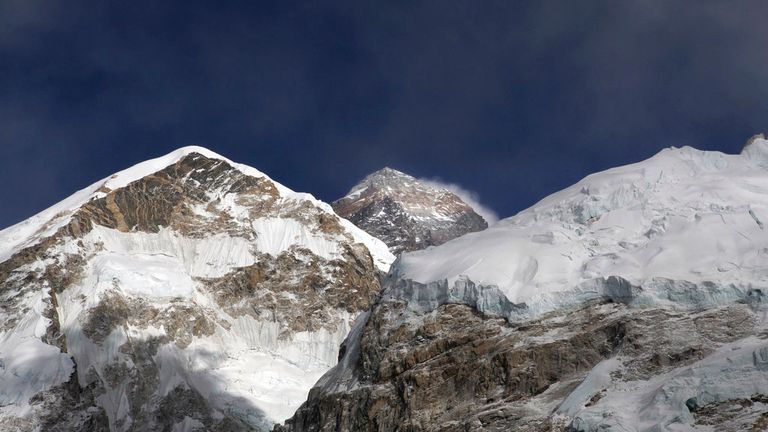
(471, 198)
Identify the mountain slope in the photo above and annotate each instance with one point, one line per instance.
(185, 293)
(406, 213)
(631, 301)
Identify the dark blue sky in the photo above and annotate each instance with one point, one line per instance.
(511, 99)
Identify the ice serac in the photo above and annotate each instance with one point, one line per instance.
(185, 293)
(407, 213)
(634, 300)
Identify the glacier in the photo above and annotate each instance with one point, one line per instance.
(684, 215)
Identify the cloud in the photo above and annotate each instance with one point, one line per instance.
(468, 196)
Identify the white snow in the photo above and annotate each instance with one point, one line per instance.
(27, 365)
(682, 215)
(46, 223)
(249, 369)
(736, 370)
(275, 235)
(257, 371)
(211, 256)
(144, 276)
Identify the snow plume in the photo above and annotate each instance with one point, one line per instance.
(468, 196)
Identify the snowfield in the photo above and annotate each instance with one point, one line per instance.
(686, 225)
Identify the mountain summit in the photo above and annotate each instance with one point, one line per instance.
(185, 293)
(634, 300)
(407, 213)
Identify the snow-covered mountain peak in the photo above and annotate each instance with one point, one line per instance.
(187, 280)
(684, 214)
(407, 213)
(207, 177)
(383, 177)
(151, 166)
(634, 300)
(47, 221)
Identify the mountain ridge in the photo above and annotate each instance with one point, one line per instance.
(147, 298)
(633, 300)
(193, 293)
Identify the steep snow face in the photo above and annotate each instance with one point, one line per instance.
(683, 215)
(27, 364)
(407, 213)
(186, 292)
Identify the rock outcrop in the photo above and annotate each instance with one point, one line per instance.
(406, 213)
(455, 369)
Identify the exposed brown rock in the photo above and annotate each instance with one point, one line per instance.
(299, 289)
(454, 369)
(446, 371)
(181, 321)
(406, 213)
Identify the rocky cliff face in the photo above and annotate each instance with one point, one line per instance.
(406, 213)
(632, 301)
(602, 364)
(186, 293)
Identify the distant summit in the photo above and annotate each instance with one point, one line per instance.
(406, 213)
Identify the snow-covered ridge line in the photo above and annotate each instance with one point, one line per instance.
(45, 223)
(683, 215)
(30, 230)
